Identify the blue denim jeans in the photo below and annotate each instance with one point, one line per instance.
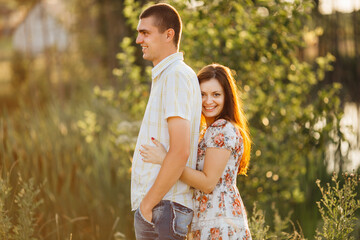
(170, 220)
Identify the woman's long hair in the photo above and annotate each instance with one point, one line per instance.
(233, 109)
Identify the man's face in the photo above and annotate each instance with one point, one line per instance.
(151, 40)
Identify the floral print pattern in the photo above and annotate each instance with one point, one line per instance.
(221, 214)
(215, 234)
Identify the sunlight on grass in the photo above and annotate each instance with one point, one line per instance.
(5, 70)
(5, 77)
(5, 89)
(5, 66)
(6, 47)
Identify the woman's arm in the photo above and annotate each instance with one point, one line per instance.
(205, 180)
(214, 165)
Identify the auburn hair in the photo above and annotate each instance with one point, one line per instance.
(166, 17)
(233, 107)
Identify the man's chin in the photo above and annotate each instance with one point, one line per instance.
(146, 57)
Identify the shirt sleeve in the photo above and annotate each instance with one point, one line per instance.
(176, 96)
(221, 136)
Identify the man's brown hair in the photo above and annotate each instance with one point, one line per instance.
(166, 17)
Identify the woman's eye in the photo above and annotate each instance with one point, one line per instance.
(217, 94)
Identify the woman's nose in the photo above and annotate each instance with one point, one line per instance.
(208, 99)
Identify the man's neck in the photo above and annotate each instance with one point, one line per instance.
(165, 56)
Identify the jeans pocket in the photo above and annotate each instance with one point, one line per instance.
(144, 230)
(182, 218)
(143, 218)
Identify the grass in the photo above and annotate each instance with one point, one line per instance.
(86, 188)
(5, 78)
(5, 69)
(6, 48)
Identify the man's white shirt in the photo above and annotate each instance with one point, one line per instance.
(175, 92)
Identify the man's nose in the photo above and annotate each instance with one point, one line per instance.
(138, 39)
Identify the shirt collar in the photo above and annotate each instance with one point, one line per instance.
(161, 66)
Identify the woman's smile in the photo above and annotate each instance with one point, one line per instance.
(213, 99)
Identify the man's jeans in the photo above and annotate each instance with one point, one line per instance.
(170, 220)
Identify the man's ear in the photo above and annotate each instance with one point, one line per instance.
(170, 33)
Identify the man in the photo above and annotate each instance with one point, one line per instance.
(163, 204)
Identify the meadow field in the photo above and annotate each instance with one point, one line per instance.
(69, 120)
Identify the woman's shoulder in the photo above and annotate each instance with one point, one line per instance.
(223, 123)
(224, 126)
(221, 133)
(219, 123)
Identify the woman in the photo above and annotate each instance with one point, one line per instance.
(223, 151)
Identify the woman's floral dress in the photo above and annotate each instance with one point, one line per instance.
(221, 214)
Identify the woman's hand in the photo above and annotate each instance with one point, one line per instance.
(153, 154)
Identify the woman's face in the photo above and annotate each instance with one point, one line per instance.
(213, 99)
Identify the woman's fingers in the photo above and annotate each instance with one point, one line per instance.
(158, 144)
(145, 155)
(146, 147)
(142, 153)
(153, 154)
(146, 151)
(155, 141)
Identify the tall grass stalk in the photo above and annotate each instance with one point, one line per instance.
(18, 209)
(282, 227)
(5, 220)
(337, 207)
(27, 204)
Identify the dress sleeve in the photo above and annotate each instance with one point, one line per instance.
(221, 134)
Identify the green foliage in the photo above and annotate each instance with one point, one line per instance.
(27, 203)
(25, 195)
(132, 77)
(338, 206)
(5, 220)
(89, 127)
(260, 231)
(258, 228)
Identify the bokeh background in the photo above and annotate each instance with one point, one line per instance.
(74, 86)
